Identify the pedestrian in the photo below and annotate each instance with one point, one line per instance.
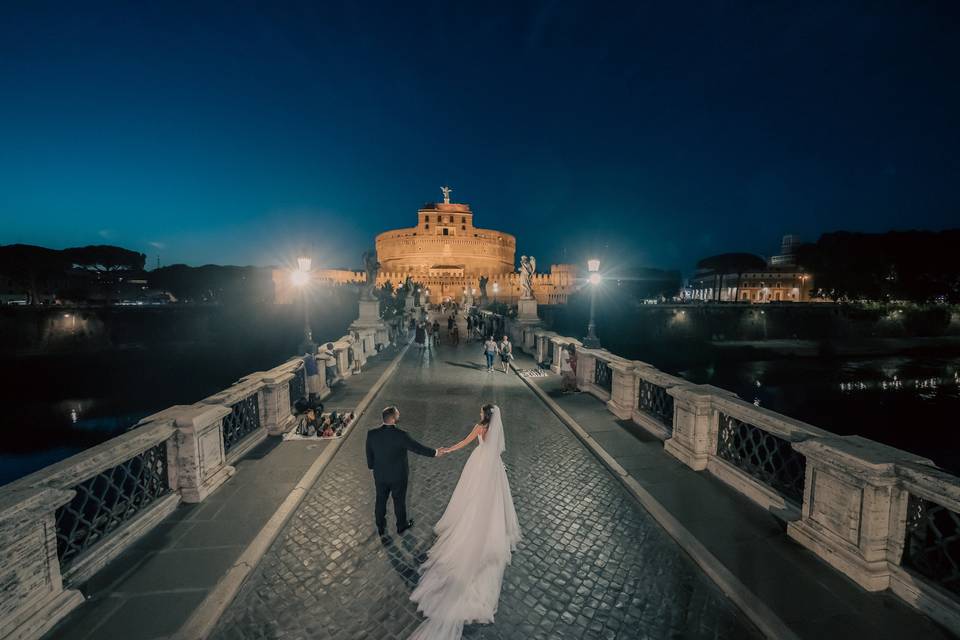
(411, 329)
(436, 333)
(420, 336)
(455, 335)
(469, 326)
(490, 350)
(450, 323)
(329, 362)
(506, 352)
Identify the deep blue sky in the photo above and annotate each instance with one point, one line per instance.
(208, 133)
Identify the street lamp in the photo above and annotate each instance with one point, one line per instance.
(301, 278)
(591, 341)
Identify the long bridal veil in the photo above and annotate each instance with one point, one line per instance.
(460, 581)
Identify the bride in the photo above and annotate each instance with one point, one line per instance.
(460, 581)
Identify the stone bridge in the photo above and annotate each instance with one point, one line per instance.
(651, 508)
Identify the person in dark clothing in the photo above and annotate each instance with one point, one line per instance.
(387, 448)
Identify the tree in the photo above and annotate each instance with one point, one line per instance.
(110, 264)
(32, 269)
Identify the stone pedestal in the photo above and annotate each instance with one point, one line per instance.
(367, 327)
(200, 465)
(527, 310)
(33, 595)
(853, 512)
(694, 438)
(369, 313)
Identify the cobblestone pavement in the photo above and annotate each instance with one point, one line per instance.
(593, 563)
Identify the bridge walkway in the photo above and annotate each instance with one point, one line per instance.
(593, 562)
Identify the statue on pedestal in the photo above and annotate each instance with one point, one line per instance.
(372, 268)
(483, 289)
(404, 290)
(528, 266)
(446, 194)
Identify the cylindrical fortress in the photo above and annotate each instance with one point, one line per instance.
(446, 240)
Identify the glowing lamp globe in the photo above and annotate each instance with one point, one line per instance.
(593, 265)
(300, 278)
(594, 278)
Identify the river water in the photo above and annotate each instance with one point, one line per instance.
(909, 402)
(57, 403)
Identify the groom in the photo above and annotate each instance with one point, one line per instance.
(387, 448)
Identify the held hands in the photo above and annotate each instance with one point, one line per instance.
(442, 451)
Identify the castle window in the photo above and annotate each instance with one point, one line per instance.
(463, 227)
(446, 231)
(426, 218)
(426, 226)
(463, 219)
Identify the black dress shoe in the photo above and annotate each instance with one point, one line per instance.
(404, 527)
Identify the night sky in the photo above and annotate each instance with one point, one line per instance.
(654, 136)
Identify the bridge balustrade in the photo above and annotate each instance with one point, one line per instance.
(654, 406)
(62, 524)
(885, 518)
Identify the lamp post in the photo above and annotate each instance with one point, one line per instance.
(591, 341)
(496, 290)
(301, 278)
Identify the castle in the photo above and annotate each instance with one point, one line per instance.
(446, 255)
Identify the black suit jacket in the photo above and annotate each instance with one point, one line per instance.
(387, 448)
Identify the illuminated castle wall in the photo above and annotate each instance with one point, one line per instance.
(446, 254)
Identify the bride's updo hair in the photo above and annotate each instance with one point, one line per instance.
(487, 411)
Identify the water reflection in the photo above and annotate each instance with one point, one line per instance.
(906, 402)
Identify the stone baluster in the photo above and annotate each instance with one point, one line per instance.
(33, 595)
(275, 413)
(623, 389)
(694, 438)
(854, 512)
(198, 465)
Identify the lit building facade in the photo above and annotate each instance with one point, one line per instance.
(446, 255)
(749, 278)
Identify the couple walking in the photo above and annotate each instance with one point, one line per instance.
(504, 349)
(460, 580)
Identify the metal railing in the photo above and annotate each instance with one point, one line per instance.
(244, 419)
(764, 456)
(932, 543)
(297, 385)
(603, 375)
(108, 500)
(654, 400)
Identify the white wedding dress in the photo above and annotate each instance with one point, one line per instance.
(460, 581)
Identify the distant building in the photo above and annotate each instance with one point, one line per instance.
(744, 277)
(446, 255)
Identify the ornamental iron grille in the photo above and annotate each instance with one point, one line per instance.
(603, 376)
(655, 400)
(109, 499)
(762, 455)
(932, 546)
(297, 385)
(243, 420)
